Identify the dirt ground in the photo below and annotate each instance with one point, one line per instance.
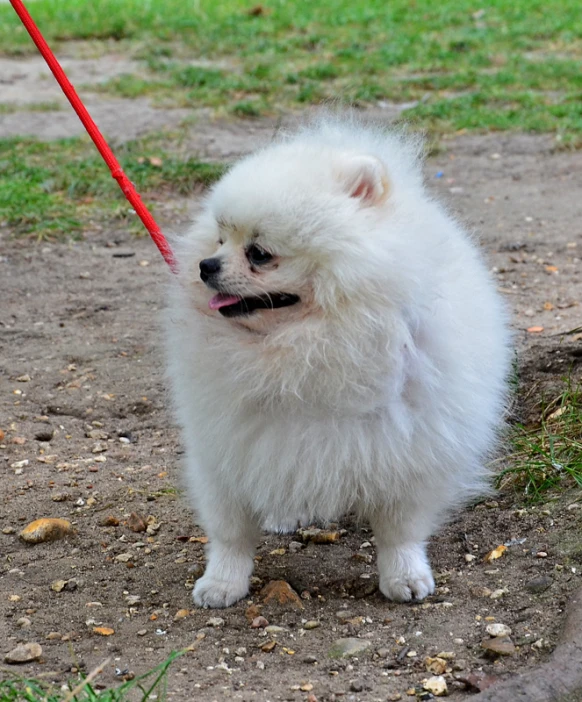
(88, 437)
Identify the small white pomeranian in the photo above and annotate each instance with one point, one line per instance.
(335, 344)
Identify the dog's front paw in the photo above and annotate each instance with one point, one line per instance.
(405, 574)
(212, 593)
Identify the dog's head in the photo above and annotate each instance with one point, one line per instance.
(285, 234)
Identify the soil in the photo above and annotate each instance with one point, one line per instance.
(88, 437)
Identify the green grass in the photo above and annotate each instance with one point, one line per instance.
(151, 685)
(548, 455)
(55, 188)
(10, 107)
(514, 64)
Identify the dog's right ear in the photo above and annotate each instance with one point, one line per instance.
(365, 178)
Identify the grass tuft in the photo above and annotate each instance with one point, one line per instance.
(149, 686)
(547, 455)
(52, 189)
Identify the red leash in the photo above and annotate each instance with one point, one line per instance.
(116, 171)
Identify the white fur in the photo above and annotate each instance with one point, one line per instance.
(379, 393)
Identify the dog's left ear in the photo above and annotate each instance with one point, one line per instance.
(365, 179)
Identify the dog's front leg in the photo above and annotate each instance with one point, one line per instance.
(233, 535)
(403, 566)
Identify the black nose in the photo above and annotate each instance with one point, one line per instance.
(209, 267)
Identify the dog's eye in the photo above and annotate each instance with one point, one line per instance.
(258, 256)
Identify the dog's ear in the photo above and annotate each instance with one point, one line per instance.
(365, 179)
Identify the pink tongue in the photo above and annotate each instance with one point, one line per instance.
(222, 300)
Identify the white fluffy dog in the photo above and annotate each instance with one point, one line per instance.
(335, 345)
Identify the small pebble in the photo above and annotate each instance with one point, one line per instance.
(436, 666)
(446, 655)
(436, 685)
(498, 629)
(496, 594)
(312, 624)
(345, 648)
(259, 623)
(480, 591)
(280, 592)
(24, 653)
(502, 646)
(136, 523)
(540, 584)
(123, 557)
(47, 529)
(215, 622)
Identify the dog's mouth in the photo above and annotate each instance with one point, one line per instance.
(237, 306)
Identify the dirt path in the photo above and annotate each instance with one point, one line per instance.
(80, 364)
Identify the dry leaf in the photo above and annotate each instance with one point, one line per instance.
(199, 539)
(258, 11)
(552, 269)
(136, 523)
(548, 306)
(319, 536)
(535, 330)
(103, 631)
(495, 554)
(252, 611)
(557, 413)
